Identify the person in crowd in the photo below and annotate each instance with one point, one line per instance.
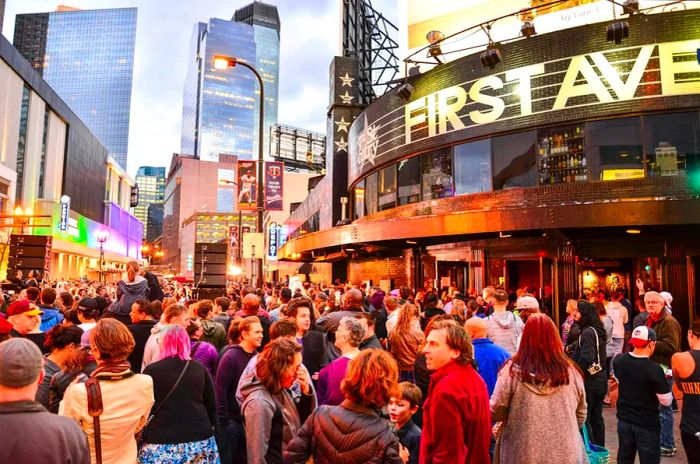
(525, 306)
(618, 313)
(155, 292)
(279, 312)
(315, 350)
(25, 319)
(489, 356)
(668, 342)
(571, 307)
(184, 412)
(126, 397)
(52, 315)
(348, 338)
(221, 307)
(201, 351)
(271, 415)
(456, 418)
(173, 314)
(486, 300)
(228, 374)
(130, 289)
(401, 410)
(391, 303)
(380, 313)
(502, 326)
(371, 340)
(642, 386)
(251, 307)
(590, 357)
(352, 305)
(65, 301)
(406, 341)
(686, 374)
(354, 431)
(88, 313)
(142, 322)
(539, 392)
(32, 279)
(430, 309)
(213, 332)
(30, 434)
(609, 348)
(63, 342)
(460, 312)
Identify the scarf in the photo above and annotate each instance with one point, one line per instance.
(653, 319)
(113, 370)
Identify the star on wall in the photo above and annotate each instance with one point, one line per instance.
(346, 97)
(341, 144)
(346, 80)
(342, 125)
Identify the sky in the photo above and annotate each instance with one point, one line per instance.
(310, 38)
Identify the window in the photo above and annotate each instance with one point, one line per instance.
(371, 194)
(514, 160)
(473, 167)
(614, 149)
(42, 167)
(359, 200)
(22, 144)
(672, 144)
(408, 179)
(386, 187)
(437, 174)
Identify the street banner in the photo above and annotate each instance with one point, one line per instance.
(274, 171)
(247, 185)
(233, 237)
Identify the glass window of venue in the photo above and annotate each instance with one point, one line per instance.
(408, 179)
(672, 143)
(371, 194)
(437, 174)
(386, 187)
(359, 200)
(561, 154)
(472, 163)
(614, 149)
(514, 160)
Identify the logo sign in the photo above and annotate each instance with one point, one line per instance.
(274, 171)
(273, 234)
(65, 213)
(247, 185)
(134, 196)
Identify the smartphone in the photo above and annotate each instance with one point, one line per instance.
(10, 292)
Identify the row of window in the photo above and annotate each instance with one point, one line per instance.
(656, 145)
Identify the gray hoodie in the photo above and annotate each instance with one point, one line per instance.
(128, 293)
(264, 412)
(504, 329)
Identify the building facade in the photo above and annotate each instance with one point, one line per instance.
(151, 183)
(221, 107)
(571, 166)
(87, 57)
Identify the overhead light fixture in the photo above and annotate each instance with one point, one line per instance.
(404, 91)
(630, 7)
(528, 29)
(411, 242)
(350, 250)
(504, 235)
(434, 38)
(618, 31)
(491, 56)
(633, 231)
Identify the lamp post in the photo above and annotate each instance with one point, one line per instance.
(225, 62)
(102, 238)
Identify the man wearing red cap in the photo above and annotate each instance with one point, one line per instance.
(642, 386)
(25, 319)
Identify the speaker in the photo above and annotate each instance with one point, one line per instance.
(29, 252)
(208, 293)
(28, 263)
(210, 258)
(212, 280)
(210, 248)
(210, 268)
(210, 261)
(31, 240)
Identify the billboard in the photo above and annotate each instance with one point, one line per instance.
(274, 174)
(247, 185)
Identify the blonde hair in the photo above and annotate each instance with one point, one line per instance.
(132, 270)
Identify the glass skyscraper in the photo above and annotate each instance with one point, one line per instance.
(87, 56)
(151, 182)
(220, 107)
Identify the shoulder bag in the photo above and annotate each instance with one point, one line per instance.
(595, 367)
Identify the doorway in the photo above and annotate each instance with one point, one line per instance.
(452, 273)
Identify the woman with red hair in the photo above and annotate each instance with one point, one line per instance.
(539, 393)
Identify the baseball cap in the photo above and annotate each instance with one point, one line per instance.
(5, 327)
(23, 307)
(527, 302)
(88, 303)
(20, 362)
(641, 336)
(668, 298)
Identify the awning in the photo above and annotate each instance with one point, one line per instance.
(305, 268)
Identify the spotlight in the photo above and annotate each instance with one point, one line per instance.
(528, 29)
(434, 38)
(490, 57)
(405, 91)
(618, 31)
(630, 7)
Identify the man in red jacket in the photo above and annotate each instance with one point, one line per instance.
(456, 415)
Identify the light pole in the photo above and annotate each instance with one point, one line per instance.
(225, 62)
(102, 238)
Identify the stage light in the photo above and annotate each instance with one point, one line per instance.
(618, 31)
(630, 7)
(528, 29)
(434, 38)
(405, 91)
(490, 57)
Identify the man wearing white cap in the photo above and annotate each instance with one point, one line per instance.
(642, 387)
(668, 299)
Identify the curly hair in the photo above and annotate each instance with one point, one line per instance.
(112, 339)
(275, 358)
(300, 302)
(372, 379)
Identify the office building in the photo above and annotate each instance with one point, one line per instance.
(2, 13)
(87, 57)
(151, 183)
(220, 107)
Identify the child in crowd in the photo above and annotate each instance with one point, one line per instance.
(400, 412)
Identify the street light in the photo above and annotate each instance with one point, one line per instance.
(102, 238)
(225, 62)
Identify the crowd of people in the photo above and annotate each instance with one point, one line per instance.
(137, 371)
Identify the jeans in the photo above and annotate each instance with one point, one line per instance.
(691, 445)
(617, 343)
(633, 439)
(232, 443)
(666, 417)
(594, 420)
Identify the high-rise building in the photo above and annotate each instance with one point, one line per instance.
(151, 182)
(221, 107)
(87, 57)
(2, 13)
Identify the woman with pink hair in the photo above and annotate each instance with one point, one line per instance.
(181, 424)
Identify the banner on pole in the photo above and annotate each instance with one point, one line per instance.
(274, 171)
(247, 185)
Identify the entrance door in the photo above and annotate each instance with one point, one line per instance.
(452, 273)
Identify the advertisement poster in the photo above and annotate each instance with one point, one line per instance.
(247, 185)
(274, 171)
(233, 237)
